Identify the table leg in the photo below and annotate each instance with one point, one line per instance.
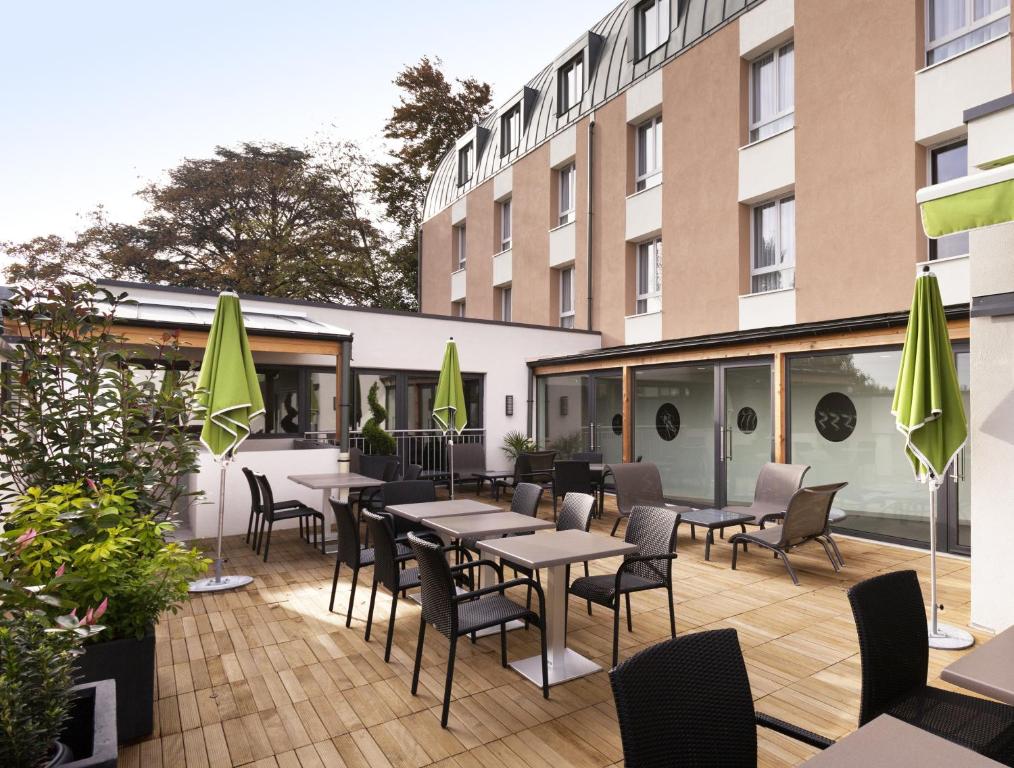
(329, 521)
(707, 543)
(564, 664)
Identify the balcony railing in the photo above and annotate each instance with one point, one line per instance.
(427, 447)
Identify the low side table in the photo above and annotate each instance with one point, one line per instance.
(713, 520)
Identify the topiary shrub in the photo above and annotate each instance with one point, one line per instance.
(377, 440)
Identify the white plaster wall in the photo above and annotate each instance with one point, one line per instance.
(641, 329)
(503, 268)
(563, 245)
(503, 184)
(644, 213)
(644, 98)
(944, 91)
(952, 277)
(991, 138)
(764, 27)
(767, 167)
(458, 285)
(764, 310)
(563, 147)
(459, 211)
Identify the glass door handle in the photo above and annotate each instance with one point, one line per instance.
(729, 443)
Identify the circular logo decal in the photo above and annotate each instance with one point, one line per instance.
(746, 420)
(618, 424)
(667, 422)
(835, 417)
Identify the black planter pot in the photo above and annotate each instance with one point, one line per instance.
(131, 663)
(88, 739)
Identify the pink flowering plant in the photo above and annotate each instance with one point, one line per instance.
(86, 548)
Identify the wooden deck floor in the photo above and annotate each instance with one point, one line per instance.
(265, 676)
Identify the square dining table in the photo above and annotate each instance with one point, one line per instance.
(988, 670)
(419, 511)
(555, 551)
(326, 482)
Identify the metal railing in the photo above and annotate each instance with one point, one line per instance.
(427, 447)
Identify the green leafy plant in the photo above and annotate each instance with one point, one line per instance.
(566, 445)
(35, 680)
(81, 403)
(515, 443)
(377, 440)
(103, 551)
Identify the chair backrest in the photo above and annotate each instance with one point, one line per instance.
(777, 482)
(541, 462)
(436, 585)
(653, 530)
(469, 458)
(686, 701)
(893, 639)
(412, 472)
(592, 457)
(409, 492)
(571, 476)
(348, 533)
(255, 494)
(807, 512)
(636, 484)
(267, 497)
(385, 552)
(526, 499)
(355, 454)
(378, 467)
(575, 512)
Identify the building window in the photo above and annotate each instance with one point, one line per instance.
(466, 163)
(568, 190)
(458, 308)
(505, 304)
(649, 154)
(947, 163)
(567, 297)
(772, 93)
(773, 256)
(510, 130)
(296, 401)
(570, 83)
(505, 225)
(652, 26)
(460, 249)
(649, 277)
(408, 396)
(954, 26)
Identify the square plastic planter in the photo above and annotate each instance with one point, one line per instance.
(131, 663)
(90, 732)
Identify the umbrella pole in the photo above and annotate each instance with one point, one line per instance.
(941, 636)
(218, 582)
(450, 453)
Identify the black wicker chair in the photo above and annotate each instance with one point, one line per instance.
(389, 571)
(687, 702)
(653, 530)
(592, 457)
(272, 512)
(894, 648)
(350, 553)
(570, 477)
(256, 509)
(412, 472)
(407, 492)
(535, 467)
(455, 615)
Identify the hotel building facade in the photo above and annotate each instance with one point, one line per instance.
(725, 190)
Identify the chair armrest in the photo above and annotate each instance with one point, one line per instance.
(460, 550)
(503, 587)
(793, 731)
(640, 559)
(470, 565)
(770, 517)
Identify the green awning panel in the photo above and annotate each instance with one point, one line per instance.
(978, 200)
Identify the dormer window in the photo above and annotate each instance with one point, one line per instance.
(466, 163)
(510, 130)
(651, 21)
(570, 83)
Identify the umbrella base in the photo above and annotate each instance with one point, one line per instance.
(950, 638)
(212, 584)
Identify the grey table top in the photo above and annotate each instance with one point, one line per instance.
(988, 670)
(418, 512)
(714, 518)
(488, 524)
(556, 548)
(326, 480)
(889, 741)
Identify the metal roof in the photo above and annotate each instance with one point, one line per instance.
(185, 314)
(612, 71)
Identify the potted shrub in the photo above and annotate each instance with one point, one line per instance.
(515, 443)
(108, 553)
(378, 440)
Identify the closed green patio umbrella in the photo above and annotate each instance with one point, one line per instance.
(229, 397)
(449, 410)
(929, 412)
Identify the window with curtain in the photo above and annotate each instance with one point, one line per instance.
(505, 225)
(772, 93)
(510, 130)
(649, 277)
(466, 163)
(649, 154)
(948, 163)
(505, 304)
(567, 297)
(773, 249)
(570, 83)
(460, 246)
(652, 26)
(567, 193)
(954, 26)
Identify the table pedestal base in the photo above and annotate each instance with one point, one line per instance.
(568, 666)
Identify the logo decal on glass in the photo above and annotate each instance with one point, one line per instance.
(618, 424)
(667, 422)
(746, 420)
(835, 417)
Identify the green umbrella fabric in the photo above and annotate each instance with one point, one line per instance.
(927, 405)
(978, 200)
(449, 410)
(228, 391)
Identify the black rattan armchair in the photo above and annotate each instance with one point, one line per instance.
(535, 467)
(687, 702)
(894, 648)
(653, 530)
(389, 571)
(272, 512)
(256, 508)
(573, 476)
(455, 615)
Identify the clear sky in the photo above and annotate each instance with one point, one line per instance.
(101, 97)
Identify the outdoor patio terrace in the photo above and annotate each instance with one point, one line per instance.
(266, 676)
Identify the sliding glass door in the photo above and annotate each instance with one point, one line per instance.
(746, 431)
(582, 412)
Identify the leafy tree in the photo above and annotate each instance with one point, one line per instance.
(431, 115)
(264, 219)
